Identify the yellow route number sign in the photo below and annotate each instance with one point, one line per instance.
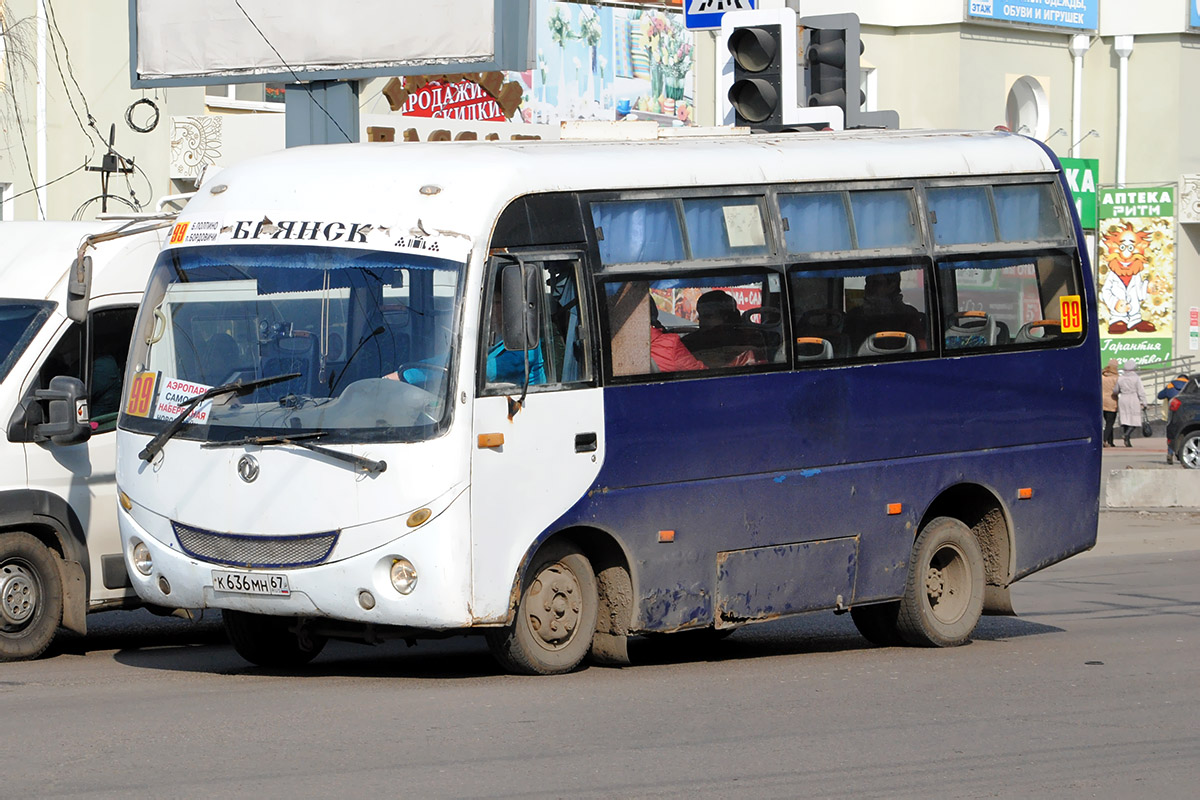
(1071, 313)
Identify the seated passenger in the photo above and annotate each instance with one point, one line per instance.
(883, 308)
(508, 366)
(667, 350)
(722, 340)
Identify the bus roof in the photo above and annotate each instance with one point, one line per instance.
(475, 180)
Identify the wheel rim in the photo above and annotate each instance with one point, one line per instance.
(948, 584)
(19, 592)
(554, 606)
(1190, 455)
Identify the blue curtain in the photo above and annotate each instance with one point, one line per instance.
(636, 231)
(817, 222)
(707, 232)
(884, 219)
(963, 213)
(1026, 212)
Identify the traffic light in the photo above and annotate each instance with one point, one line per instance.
(757, 68)
(832, 47)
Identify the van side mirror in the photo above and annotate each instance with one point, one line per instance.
(79, 287)
(519, 287)
(68, 412)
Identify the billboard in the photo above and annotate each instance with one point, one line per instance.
(1136, 273)
(251, 41)
(1074, 14)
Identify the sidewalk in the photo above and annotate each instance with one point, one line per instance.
(1139, 477)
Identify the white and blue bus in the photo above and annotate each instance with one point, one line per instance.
(561, 393)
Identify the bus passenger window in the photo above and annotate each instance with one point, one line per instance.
(1010, 301)
(637, 231)
(860, 311)
(694, 323)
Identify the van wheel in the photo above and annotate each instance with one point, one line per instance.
(943, 598)
(556, 616)
(877, 623)
(269, 641)
(31, 597)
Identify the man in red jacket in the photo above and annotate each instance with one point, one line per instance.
(667, 350)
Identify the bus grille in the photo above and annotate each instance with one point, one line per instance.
(242, 550)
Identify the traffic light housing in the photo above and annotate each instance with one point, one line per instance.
(757, 66)
(832, 48)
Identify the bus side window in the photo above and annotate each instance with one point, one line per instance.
(868, 311)
(1013, 300)
(694, 322)
(562, 356)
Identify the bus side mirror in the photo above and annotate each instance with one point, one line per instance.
(519, 287)
(68, 412)
(79, 287)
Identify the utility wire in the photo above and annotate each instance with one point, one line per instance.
(58, 64)
(289, 69)
(24, 144)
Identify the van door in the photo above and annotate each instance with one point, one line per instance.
(553, 446)
(85, 474)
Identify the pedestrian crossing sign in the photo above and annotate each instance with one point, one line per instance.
(703, 15)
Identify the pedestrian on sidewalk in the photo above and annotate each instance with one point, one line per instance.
(1131, 400)
(1108, 391)
(1171, 390)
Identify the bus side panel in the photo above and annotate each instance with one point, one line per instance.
(785, 458)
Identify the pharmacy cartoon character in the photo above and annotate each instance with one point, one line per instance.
(1125, 287)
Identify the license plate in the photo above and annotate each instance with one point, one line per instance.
(250, 582)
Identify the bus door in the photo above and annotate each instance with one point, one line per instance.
(532, 460)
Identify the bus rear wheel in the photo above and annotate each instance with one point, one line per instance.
(943, 597)
(31, 597)
(556, 616)
(270, 641)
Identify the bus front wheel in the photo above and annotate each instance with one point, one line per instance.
(555, 620)
(31, 596)
(270, 641)
(943, 597)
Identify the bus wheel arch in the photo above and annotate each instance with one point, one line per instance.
(596, 563)
(982, 511)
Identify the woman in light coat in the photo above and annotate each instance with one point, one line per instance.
(1131, 400)
(1108, 393)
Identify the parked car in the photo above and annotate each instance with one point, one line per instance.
(1183, 425)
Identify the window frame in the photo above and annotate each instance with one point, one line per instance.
(483, 387)
(846, 188)
(761, 192)
(650, 275)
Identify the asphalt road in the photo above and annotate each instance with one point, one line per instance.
(1092, 692)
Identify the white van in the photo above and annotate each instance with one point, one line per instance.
(60, 389)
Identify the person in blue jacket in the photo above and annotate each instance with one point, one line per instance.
(1173, 388)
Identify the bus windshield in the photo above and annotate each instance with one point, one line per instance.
(367, 337)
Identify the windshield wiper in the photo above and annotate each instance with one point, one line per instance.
(239, 388)
(362, 463)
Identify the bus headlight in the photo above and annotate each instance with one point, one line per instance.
(404, 576)
(142, 561)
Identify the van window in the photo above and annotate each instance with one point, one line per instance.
(111, 330)
(20, 320)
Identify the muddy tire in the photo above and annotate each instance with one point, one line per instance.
(31, 597)
(269, 641)
(943, 597)
(555, 619)
(877, 623)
